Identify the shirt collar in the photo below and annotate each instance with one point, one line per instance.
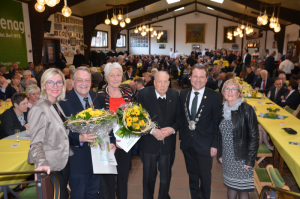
(158, 95)
(200, 91)
(81, 98)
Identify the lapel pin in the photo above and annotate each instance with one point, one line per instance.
(170, 100)
(204, 97)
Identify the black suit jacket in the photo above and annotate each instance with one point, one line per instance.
(147, 98)
(247, 60)
(292, 101)
(81, 161)
(150, 83)
(9, 91)
(206, 132)
(270, 82)
(281, 92)
(78, 60)
(237, 70)
(212, 84)
(127, 76)
(250, 77)
(10, 123)
(270, 63)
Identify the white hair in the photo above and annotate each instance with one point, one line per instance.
(72, 68)
(110, 66)
(162, 71)
(26, 72)
(94, 69)
(120, 58)
(263, 71)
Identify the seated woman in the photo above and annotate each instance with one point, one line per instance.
(263, 138)
(33, 93)
(15, 84)
(15, 117)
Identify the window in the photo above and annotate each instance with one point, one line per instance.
(100, 40)
(121, 42)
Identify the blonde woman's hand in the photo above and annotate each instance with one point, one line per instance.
(247, 167)
(220, 159)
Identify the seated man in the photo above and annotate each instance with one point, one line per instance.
(234, 68)
(212, 82)
(264, 82)
(277, 91)
(257, 76)
(250, 76)
(15, 117)
(291, 97)
(6, 90)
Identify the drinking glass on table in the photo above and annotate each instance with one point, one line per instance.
(17, 135)
(263, 96)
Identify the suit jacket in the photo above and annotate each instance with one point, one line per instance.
(150, 83)
(256, 77)
(239, 60)
(147, 98)
(212, 84)
(270, 82)
(281, 92)
(49, 137)
(127, 76)
(78, 60)
(247, 60)
(237, 70)
(10, 123)
(96, 79)
(166, 66)
(81, 161)
(9, 91)
(206, 132)
(292, 101)
(250, 77)
(270, 63)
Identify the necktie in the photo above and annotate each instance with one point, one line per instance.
(276, 94)
(264, 84)
(87, 105)
(194, 106)
(287, 95)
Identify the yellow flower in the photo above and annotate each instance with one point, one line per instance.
(89, 110)
(136, 112)
(137, 126)
(142, 123)
(128, 124)
(135, 107)
(130, 109)
(135, 119)
(129, 119)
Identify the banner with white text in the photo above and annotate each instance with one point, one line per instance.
(12, 34)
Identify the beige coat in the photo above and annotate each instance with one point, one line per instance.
(49, 137)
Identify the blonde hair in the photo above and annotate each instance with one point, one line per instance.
(31, 89)
(46, 76)
(231, 82)
(39, 67)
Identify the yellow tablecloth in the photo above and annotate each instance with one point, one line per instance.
(14, 159)
(225, 63)
(126, 82)
(5, 105)
(281, 139)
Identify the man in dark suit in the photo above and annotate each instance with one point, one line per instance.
(257, 76)
(167, 64)
(79, 59)
(231, 57)
(270, 64)
(6, 90)
(234, 68)
(83, 182)
(216, 57)
(194, 52)
(292, 97)
(246, 62)
(200, 108)
(158, 147)
(250, 76)
(264, 82)
(212, 82)
(31, 68)
(3, 72)
(175, 69)
(276, 91)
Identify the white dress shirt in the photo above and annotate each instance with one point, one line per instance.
(171, 54)
(287, 66)
(245, 58)
(200, 96)
(262, 84)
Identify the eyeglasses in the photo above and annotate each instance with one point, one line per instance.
(51, 84)
(234, 90)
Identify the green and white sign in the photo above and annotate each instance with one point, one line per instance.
(12, 34)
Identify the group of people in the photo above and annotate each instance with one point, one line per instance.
(207, 116)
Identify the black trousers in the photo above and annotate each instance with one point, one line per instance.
(123, 160)
(63, 177)
(165, 163)
(198, 167)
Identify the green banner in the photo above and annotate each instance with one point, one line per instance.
(12, 34)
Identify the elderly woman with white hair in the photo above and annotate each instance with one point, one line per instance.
(33, 93)
(154, 71)
(115, 95)
(238, 141)
(50, 147)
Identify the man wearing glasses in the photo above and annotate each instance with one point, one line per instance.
(83, 183)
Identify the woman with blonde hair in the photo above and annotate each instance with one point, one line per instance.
(33, 93)
(15, 84)
(238, 141)
(50, 148)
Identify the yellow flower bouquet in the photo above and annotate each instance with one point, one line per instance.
(272, 110)
(97, 121)
(134, 120)
(253, 94)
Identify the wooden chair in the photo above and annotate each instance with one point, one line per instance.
(288, 109)
(297, 112)
(262, 153)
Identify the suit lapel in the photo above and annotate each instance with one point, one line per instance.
(188, 101)
(54, 112)
(203, 102)
(153, 100)
(75, 100)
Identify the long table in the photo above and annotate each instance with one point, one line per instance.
(281, 139)
(5, 105)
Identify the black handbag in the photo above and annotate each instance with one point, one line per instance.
(290, 131)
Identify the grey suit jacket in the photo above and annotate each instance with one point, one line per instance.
(49, 137)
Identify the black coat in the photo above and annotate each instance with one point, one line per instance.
(250, 77)
(60, 64)
(212, 84)
(78, 60)
(38, 78)
(237, 70)
(150, 83)
(96, 79)
(9, 91)
(270, 82)
(81, 161)
(247, 60)
(270, 63)
(292, 101)
(10, 123)
(281, 92)
(206, 132)
(245, 134)
(147, 98)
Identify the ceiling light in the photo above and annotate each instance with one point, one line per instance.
(179, 9)
(172, 1)
(154, 33)
(66, 11)
(127, 20)
(140, 28)
(107, 21)
(136, 30)
(122, 24)
(218, 1)
(144, 27)
(39, 7)
(210, 8)
(42, 2)
(120, 16)
(147, 28)
(151, 28)
(51, 3)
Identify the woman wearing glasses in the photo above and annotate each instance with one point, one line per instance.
(49, 149)
(238, 141)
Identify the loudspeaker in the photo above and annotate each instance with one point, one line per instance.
(47, 26)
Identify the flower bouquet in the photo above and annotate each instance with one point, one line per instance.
(253, 94)
(272, 111)
(96, 121)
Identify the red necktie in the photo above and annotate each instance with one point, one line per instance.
(264, 85)
(287, 95)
